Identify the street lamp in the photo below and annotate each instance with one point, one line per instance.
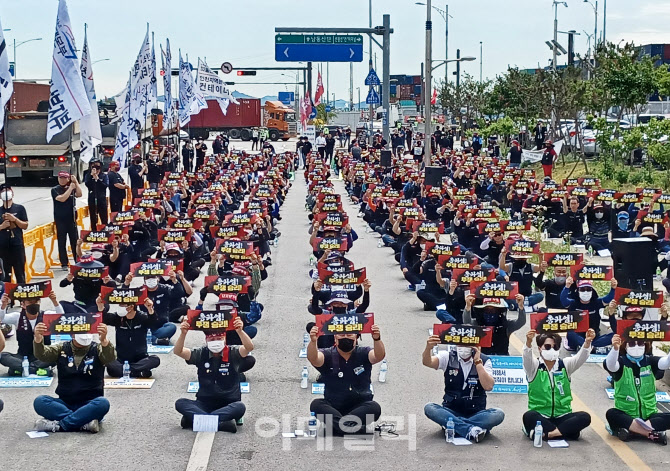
(359, 98)
(20, 44)
(445, 16)
(428, 85)
(99, 60)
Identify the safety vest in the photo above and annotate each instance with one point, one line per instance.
(548, 400)
(635, 392)
(468, 400)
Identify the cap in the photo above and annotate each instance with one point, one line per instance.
(427, 235)
(584, 283)
(649, 232)
(598, 206)
(494, 302)
(98, 247)
(5, 186)
(172, 246)
(86, 257)
(63, 174)
(549, 141)
(338, 296)
(623, 215)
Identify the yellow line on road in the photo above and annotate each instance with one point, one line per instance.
(622, 450)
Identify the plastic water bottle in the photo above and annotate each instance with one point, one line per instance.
(304, 378)
(659, 275)
(450, 433)
(305, 340)
(126, 372)
(383, 369)
(312, 260)
(25, 365)
(149, 342)
(537, 438)
(545, 235)
(526, 305)
(380, 243)
(276, 241)
(590, 251)
(312, 425)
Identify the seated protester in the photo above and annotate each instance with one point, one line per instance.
(491, 248)
(339, 303)
(119, 259)
(433, 295)
(573, 219)
(493, 312)
(455, 301)
(431, 203)
(466, 230)
(521, 271)
(131, 323)
(172, 252)
(85, 289)
(467, 376)
(587, 300)
(634, 371)
(409, 254)
(25, 321)
(219, 369)
(81, 404)
(516, 198)
(549, 387)
(622, 229)
(553, 286)
(598, 221)
(345, 370)
(162, 329)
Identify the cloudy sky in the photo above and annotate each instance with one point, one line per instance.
(242, 32)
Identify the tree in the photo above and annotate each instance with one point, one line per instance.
(472, 97)
(322, 117)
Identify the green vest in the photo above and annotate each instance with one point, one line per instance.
(547, 400)
(636, 396)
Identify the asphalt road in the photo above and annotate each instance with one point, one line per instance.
(142, 429)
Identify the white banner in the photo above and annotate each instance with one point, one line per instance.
(166, 63)
(200, 103)
(124, 139)
(186, 92)
(211, 86)
(533, 156)
(90, 132)
(142, 82)
(68, 101)
(6, 84)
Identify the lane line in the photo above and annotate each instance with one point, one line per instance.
(623, 451)
(202, 448)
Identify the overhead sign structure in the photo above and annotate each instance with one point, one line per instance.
(287, 98)
(226, 67)
(372, 78)
(318, 48)
(373, 97)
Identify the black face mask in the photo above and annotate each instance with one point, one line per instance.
(33, 309)
(346, 345)
(339, 310)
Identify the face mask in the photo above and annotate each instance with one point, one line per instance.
(550, 355)
(636, 352)
(7, 195)
(490, 319)
(33, 309)
(599, 215)
(151, 283)
(121, 313)
(464, 352)
(560, 279)
(346, 345)
(423, 246)
(216, 346)
(585, 295)
(623, 225)
(83, 339)
(520, 192)
(339, 309)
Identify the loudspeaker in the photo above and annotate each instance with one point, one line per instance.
(434, 176)
(635, 262)
(386, 158)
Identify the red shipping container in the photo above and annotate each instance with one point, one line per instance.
(416, 80)
(666, 51)
(405, 92)
(27, 95)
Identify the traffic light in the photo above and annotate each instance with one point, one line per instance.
(246, 72)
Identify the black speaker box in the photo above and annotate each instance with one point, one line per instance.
(635, 262)
(386, 158)
(434, 176)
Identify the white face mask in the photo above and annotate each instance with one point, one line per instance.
(423, 246)
(151, 282)
(216, 346)
(585, 295)
(560, 279)
(121, 313)
(549, 355)
(636, 351)
(520, 192)
(7, 195)
(83, 339)
(464, 352)
(599, 215)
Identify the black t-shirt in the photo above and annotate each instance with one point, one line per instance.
(136, 181)
(114, 192)
(346, 382)
(63, 210)
(515, 155)
(13, 235)
(219, 380)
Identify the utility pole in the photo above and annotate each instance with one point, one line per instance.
(386, 78)
(372, 107)
(605, 23)
(351, 86)
(427, 114)
(481, 61)
(446, 45)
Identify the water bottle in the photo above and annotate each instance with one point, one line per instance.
(590, 251)
(149, 342)
(312, 260)
(305, 340)
(658, 276)
(126, 372)
(525, 304)
(383, 370)
(25, 365)
(276, 241)
(450, 433)
(537, 438)
(545, 235)
(380, 243)
(305, 376)
(312, 425)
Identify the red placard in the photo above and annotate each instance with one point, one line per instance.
(226, 232)
(563, 259)
(174, 235)
(330, 243)
(592, 272)
(227, 284)
(515, 225)
(218, 320)
(97, 237)
(24, 291)
(495, 289)
(649, 331)
(436, 249)
(354, 277)
(573, 321)
(428, 226)
(349, 323)
(465, 277)
(123, 295)
(638, 298)
(464, 334)
(456, 261)
(72, 323)
(152, 268)
(524, 247)
(85, 273)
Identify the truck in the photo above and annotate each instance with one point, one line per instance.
(241, 119)
(25, 150)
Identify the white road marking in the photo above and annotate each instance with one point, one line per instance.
(202, 448)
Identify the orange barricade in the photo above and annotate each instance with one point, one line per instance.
(39, 245)
(50, 231)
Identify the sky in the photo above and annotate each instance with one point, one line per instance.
(512, 33)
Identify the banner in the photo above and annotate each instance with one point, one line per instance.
(348, 323)
(649, 331)
(89, 126)
(142, 82)
(638, 298)
(563, 259)
(212, 86)
(126, 137)
(227, 284)
(86, 273)
(463, 334)
(319, 90)
(152, 268)
(123, 295)
(465, 277)
(6, 83)
(573, 321)
(166, 67)
(592, 272)
(495, 289)
(219, 320)
(186, 92)
(96, 237)
(72, 323)
(68, 101)
(355, 277)
(24, 291)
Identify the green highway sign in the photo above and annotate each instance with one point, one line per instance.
(318, 39)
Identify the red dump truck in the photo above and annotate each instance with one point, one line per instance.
(240, 119)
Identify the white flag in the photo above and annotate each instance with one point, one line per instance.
(212, 86)
(90, 132)
(68, 101)
(125, 130)
(200, 103)
(186, 92)
(6, 84)
(166, 62)
(142, 81)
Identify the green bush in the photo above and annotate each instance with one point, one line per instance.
(621, 176)
(636, 178)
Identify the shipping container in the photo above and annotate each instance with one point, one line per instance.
(666, 51)
(27, 96)
(405, 92)
(657, 50)
(393, 89)
(417, 89)
(416, 80)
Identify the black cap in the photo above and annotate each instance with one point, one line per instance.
(5, 186)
